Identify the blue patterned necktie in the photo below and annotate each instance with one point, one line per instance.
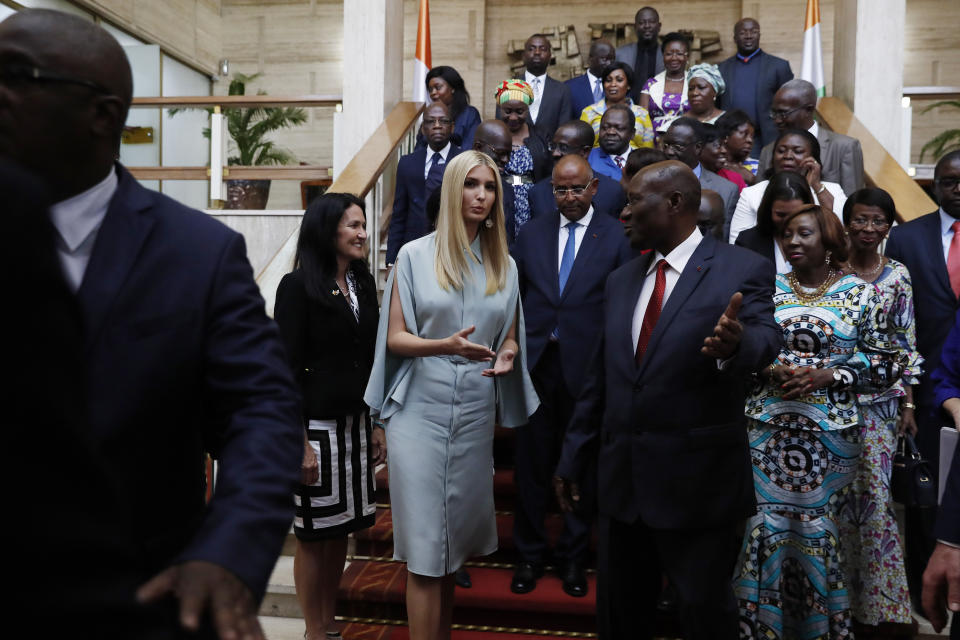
(569, 253)
(434, 176)
(598, 91)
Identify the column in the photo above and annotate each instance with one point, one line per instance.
(372, 73)
(868, 67)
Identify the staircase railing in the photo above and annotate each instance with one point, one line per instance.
(881, 169)
(363, 177)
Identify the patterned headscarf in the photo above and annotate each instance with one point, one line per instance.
(710, 73)
(514, 89)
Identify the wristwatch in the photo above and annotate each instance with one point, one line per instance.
(837, 378)
(908, 405)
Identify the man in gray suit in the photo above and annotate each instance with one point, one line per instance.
(840, 155)
(683, 141)
(644, 56)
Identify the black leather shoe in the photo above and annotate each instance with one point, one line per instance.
(525, 577)
(574, 580)
(462, 578)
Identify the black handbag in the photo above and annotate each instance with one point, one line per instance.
(912, 483)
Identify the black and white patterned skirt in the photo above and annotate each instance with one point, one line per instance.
(342, 500)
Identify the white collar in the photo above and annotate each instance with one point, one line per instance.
(946, 221)
(678, 258)
(815, 129)
(583, 222)
(529, 77)
(592, 78)
(443, 152)
(77, 217)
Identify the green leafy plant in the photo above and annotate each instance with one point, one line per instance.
(248, 127)
(946, 141)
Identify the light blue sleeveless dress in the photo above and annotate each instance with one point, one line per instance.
(440, 411)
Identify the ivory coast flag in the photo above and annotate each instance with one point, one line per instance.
(422, 61)
(812, 67)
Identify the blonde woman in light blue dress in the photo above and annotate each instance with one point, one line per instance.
(450, 363)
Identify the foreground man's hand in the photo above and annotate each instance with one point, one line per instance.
(200, 586)
(727, 333)
(941, 585)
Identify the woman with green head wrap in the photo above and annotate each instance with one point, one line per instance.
(704, 86)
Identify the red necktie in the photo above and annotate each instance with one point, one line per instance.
(953, 259)
(619, 161)
(652, 314)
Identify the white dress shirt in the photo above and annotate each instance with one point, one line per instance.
(78, 220)
(593, 83)
(578, 239)
(745, 215)
(815, 129)
(537, 83)
(677, 260)
(443, 154)
(946, 233)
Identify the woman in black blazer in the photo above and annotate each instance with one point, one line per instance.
(328, 314)
(786, 192)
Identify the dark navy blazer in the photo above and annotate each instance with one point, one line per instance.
(409, 218)
(918, 245)
(577, 311)
(181, 359)
(581, 93)
(671, 433)
(610, 198)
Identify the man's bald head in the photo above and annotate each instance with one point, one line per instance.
(64, 119)
(493, 138)
(575, 136)
(711, 214)
(793, 105)
(664, 202)
(574, 165)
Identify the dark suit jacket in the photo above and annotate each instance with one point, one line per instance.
(758, 243)
(330, 352)
(917, 244)
(840, 155)
(581, 93)
(555, 108)
(728, 193)
(628, 53)
(671, 432)
(577, 311)
(602, 164)
(180, 359)
(610, 199)
(409, 218)
(774, 72)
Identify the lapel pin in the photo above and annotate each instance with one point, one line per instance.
(594, 235)
(700, 268)
(336, 292)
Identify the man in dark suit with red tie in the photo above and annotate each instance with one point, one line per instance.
(930, 249)
(661, 409)
(418, 175)
(563, 260)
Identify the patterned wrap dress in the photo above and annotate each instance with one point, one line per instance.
(790, 580)
(665, 107)
(521, 164)
(440, 411)
(873, 556)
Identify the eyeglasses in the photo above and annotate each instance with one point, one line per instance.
(502, 156)
(949, 184)
(859, 224)
(776, 114)
(17, 76)
(679, 147)
(563, 192)
(562, 147)
(429, 122)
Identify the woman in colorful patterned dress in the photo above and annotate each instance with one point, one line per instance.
(618, 80)
(530, 160)
(805, 438)
(868, 527)
(664, 95)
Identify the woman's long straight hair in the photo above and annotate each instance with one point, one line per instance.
(452, 242)
(317, 245)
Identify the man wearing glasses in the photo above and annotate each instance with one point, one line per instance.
(419, 174)
(841, 157)
(563, 260)
(576, 137)
(929, 247)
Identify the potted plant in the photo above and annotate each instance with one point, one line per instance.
(248, 129)
(946, 141)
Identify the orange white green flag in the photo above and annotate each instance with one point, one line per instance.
(812, 67)
(422, 61)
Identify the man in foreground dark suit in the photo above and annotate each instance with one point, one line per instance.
(929, 247)
(179, 357)
(661, 410)
(563, 260)
(418, 175)
(576, 137)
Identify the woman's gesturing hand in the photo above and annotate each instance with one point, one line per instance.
(503, 365)
(309, 468)
(806, 380)
(460, 346)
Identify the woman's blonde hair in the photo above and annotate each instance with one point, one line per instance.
(453, 245)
